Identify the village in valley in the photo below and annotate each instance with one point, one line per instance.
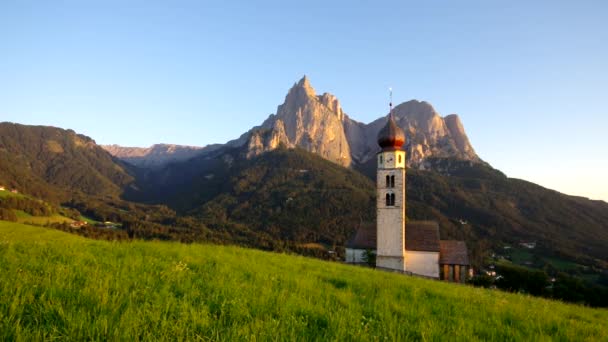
(75, 223)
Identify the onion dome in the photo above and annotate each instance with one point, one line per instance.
(391, 136)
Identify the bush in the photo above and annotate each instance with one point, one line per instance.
(7, 215)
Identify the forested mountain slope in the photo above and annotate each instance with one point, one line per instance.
(48, 162)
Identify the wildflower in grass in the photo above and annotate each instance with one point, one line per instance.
(181, 266)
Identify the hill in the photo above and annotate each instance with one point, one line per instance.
(60, 286)
(295, 195)
(49, 162)
(287, 195)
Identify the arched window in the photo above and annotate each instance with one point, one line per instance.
(388, 200)
(388, 181)
(392, 181)
(399, 159)
(380, 159)
(392, 199)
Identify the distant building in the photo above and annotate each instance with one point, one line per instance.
(454, 261)
(15, 191)
(362, 242)
(2, 188)
(529, 245)
(78, 224)
(409, 247)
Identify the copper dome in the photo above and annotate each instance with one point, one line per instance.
(391, 136)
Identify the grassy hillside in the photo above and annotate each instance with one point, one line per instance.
(56, 285)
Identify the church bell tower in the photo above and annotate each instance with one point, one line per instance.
(390, 197)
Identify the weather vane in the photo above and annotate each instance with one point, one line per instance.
(390, 104)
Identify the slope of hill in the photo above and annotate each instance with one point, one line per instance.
(47, 162)
(286, 194)
(154, 290)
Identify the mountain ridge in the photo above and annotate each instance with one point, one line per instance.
(318, 124)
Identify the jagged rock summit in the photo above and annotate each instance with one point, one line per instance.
(428, 135)
(312, 122)
(318, 124)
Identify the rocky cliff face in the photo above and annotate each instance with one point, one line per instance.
(306, 120)
(428, 135)
(155, 155)
(318, 124)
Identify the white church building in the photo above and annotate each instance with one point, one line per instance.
(410, 247)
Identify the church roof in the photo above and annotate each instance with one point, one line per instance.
(364, 238)
(453, 252)
(422, 236)
(419, 236)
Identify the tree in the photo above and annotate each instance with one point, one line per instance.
(369, 257)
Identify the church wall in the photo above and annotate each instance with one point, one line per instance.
(390, 262)
(422, 263)
(355, 255)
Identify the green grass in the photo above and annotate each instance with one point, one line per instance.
(55, 285)
(7, 193)
(24, 217)
(561, 264)
(520, 256)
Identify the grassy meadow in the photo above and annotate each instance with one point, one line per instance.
(26, 218)
(54, 285)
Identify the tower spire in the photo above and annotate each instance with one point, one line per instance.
(391, 136)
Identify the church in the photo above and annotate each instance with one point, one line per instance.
(411, 247)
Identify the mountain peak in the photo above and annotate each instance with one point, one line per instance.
(303, 87)
(304, 81)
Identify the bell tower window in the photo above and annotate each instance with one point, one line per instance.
(390, 200)
(392, 181)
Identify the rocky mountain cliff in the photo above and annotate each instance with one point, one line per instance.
(428, 135)
(318, 124)
(312, 122)
(154, 156)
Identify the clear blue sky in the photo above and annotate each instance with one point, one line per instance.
(528, 78)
